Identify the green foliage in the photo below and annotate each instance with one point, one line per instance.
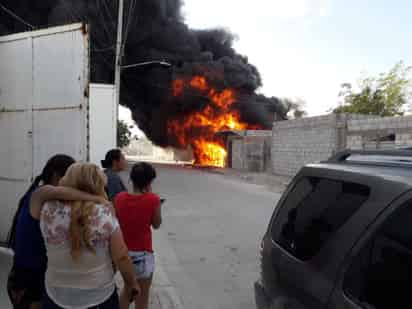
(385, 95)
(123, 134)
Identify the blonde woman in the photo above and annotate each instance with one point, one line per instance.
(82, 241)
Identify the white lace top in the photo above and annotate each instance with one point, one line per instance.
(89, 281)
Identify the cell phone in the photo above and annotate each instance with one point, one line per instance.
(162, 200)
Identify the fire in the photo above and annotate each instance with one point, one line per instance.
(198, 129)
(209, 153)
(199, 82)
(178, 87)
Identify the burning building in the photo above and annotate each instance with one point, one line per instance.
(210, 87)
(248, 150)
(198, 129)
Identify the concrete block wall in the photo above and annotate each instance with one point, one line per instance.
(374, 123)
(250, 150)
(268, 166)
(403, 140)
(302, 141)
(237, 154)
(251, 153)
(254, 154)
(309, 140)
(360, 132)
(354, 142)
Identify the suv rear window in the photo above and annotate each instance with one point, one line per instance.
(313, 210)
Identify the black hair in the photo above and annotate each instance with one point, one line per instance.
(142, 175)
(57, 165)
(111, 155)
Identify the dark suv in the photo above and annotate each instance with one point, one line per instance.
(341, 236)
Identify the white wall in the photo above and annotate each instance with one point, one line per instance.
(102, 115)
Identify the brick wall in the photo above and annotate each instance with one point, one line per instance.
(250, 151)
(301, 141)
(309, 140)
(298, 142)
(373, 133)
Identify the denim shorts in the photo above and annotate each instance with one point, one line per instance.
(143, 262)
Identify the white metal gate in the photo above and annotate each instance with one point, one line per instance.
(43, 108)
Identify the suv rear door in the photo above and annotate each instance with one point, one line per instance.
(378, 272)
(315, 208)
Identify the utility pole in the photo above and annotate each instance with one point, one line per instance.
(118, 64)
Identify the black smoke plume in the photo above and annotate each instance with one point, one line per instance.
(154, 30)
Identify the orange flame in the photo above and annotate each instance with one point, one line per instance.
(199, 128)
(199, 82)
(209, 153)
(178, 86)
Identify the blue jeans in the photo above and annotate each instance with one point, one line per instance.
(111, 303)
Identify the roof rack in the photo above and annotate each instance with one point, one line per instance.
(399, 157)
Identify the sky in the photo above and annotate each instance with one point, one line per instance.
(308, 48)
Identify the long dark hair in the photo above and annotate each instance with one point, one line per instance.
(111, 155)
(57, 165)
(142, 175)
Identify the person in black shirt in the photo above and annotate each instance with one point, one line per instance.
(114, 163)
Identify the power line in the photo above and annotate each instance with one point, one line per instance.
(11, 13)
(190, 93)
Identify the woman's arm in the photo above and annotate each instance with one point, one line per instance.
(47, 193)
(121, 259)
(157, 218)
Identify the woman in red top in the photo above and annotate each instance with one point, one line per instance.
(138, 213)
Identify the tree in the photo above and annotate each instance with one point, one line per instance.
(123, 134)
(295, 108)
(388, 94)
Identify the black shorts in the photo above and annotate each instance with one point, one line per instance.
(25, 286)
